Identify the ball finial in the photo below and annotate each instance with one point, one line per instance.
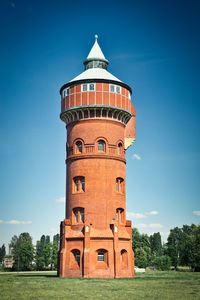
(96, 36)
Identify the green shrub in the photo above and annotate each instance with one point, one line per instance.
(162, 262)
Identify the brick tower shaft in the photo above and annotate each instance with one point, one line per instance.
(96, 238)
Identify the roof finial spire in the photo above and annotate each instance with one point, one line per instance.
(96, 37)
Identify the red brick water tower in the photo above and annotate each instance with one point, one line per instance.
(95, 237)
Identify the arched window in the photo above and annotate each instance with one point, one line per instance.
(120, 148)
(75, 259)
(78, 184)
(124, 258)
(79, 147)
(78, 215)
(119, 185)
(120, 215)
(101, 146)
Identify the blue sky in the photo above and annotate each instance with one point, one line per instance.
(153, 46)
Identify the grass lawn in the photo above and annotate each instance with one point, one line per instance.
(151, 285)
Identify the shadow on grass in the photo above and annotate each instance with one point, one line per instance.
(37, 275)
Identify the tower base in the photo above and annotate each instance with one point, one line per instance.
(101, 253)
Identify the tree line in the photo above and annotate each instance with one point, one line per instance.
(27, 257)
(181, 249)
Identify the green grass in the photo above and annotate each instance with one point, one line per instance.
(151, 285)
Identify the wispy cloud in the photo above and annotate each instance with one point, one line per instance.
(152, 213)
(136, 156)
(60, 200)
(135, 216)
(196, 212)
(16, 222)
(152, 226)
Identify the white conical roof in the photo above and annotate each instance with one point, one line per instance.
(96, 72)
(96, 51)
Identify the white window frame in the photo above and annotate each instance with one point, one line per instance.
(117, 86)
(94, 87)
(88, 87)
(112, 85)
(66, 92)
(84, 84)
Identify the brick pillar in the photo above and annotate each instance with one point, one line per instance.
(86, 251)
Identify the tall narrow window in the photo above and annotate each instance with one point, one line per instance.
(120, 215)
(76, 215)
(120, 148)
(82, 180)
(119, 185)
(79, 147)
(76, 184)
(82, 214)
(101, 146)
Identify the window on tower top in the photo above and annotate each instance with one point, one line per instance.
(112, 88)
(101, 146)
(118, 89)
(91, 86)
(84, 87)
(66, 93)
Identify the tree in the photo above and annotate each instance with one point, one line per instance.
(46, 252)
(23, 252)
(141, 241)
(174, 241)
(140, 258)
(55, 249)
(192, 248)
(156, 244)
(2, 253)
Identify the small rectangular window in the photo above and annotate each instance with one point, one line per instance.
(112, 88)
(129, 95)
(100, 256)
(118, 89)
(91, 86)
(84, 87)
